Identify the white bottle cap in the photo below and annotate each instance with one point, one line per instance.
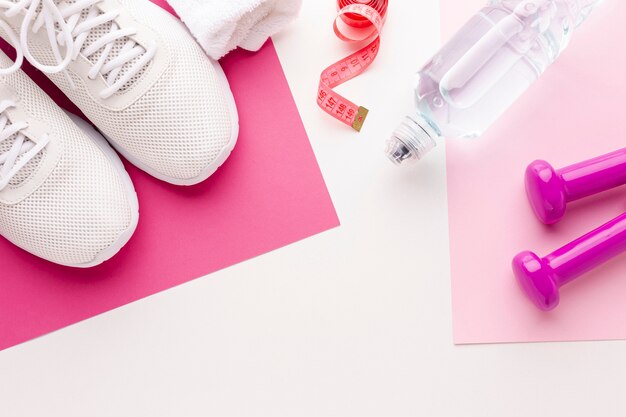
(409, 142)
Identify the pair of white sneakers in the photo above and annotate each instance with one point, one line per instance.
(138, 75)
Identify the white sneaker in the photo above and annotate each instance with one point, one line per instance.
(138, 75)
(64, 193)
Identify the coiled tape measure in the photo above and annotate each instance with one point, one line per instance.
(356, 21)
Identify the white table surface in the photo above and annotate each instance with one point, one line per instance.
(352, 322)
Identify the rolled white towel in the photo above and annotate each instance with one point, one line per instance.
(223, 25)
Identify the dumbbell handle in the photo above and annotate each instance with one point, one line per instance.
(589, 251)
(595, 175)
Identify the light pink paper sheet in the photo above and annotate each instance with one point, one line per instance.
(270, 193)
(576, 111)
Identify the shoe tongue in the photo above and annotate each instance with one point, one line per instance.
(28, 169)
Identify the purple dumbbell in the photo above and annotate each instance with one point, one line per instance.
(550, 190)
(541, 278)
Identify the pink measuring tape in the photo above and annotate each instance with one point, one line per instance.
(357, 21)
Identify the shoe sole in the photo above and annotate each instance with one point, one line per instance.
(115, 160)
(218, 162)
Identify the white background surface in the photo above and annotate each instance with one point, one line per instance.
(353, 322)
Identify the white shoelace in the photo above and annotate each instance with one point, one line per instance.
(72, 34)
(21, 151)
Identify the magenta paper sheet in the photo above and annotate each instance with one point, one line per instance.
(270, 193)
(576, 111)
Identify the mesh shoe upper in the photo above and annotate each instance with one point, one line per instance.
(81, 207)
(174, 117)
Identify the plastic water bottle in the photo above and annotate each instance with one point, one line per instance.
(483, 69)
